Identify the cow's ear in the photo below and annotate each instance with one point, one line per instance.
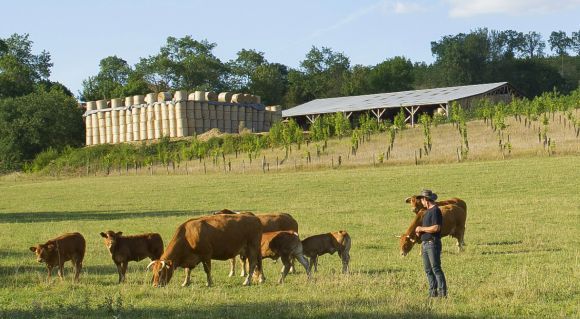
(103, 235)
(50, 247)
(408, 200)
(119, 233)
(32, 249)
(169, 264)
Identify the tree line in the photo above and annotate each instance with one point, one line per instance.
(479, 56)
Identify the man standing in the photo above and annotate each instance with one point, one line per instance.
(430, 234)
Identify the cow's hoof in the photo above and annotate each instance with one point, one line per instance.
(185, 284)
(231, 274)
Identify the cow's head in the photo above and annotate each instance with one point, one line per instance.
(162, 272)
(416, 204)
(225, 211)
(43, 252)
(110, 238)
(406, 242)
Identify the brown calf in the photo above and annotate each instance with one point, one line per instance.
(124, 249)
(285, 245)
(57, 251)
(328, 243)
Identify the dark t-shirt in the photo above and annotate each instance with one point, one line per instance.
(432, 217)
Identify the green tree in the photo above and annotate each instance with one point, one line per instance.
(32, 123)
(391, 75)
(110, 82)
(532, 45)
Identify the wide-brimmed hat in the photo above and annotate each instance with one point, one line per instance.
(427, 193)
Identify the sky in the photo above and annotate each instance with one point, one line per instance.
(78, 34)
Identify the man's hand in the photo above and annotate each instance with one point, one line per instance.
(418, 230)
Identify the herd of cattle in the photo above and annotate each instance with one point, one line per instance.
(226, 235)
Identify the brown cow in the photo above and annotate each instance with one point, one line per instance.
(416, 204)
(270, 223)
(328, 243)
(124, 249)
(454, 218)
(202, 239)
(55, 252)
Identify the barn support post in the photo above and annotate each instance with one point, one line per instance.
(412, 110)
(378, 113)
(445, 107)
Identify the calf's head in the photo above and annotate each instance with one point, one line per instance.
(406, 242)
(110, 238)
(416, 204)
(162, 272)
(43, 252)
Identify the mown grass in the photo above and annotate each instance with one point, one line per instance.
(522, 257)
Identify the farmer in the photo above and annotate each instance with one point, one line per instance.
(430, 234)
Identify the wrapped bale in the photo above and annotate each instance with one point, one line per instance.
(115, 105)
(89, 124)
(157, 122)
(225, 97)
(227, 118)
(150, 98)
(205, 115)
(129, 124)
(164, 96)
(248, 99)
(249, 118)
(257, 99)
(190, 113)
(199, 126)
(260, 121)
(237, 98)
(150, 121)
(138, 99)
(101, 105)
(212, 116)
(135, 121)
(143, 130)
(211, 96)
(164, 119)
(241, 119)
(171, 118)
(181, 124)
(128, 101)
(122, 126)
(254, 120)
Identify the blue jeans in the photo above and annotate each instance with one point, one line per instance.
(432, 264)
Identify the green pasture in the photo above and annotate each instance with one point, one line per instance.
(522, 257)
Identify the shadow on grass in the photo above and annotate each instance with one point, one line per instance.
(17, 217)
(282, 309)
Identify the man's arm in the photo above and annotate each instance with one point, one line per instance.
(430, 229)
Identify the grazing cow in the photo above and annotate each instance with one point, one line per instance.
(328, 243)
(55, 252)
(124, 249)
(285, 245)
(416, 204)
(270, 223)
(202, 239)
(454, 218)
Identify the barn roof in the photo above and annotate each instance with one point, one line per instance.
(391, 100)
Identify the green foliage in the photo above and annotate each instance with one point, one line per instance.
(341, 124)
(399, 120)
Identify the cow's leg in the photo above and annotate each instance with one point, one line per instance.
(78, 267)
(232, 267)
(207, 269)
(286, 269)
(292, 269)
(187, 279)
(314, 261)
(254, 260)
(304, 263)
(61, 271)
(460, 241)
(123, 271)
(244, 266)
(345, 258)
(49, 270)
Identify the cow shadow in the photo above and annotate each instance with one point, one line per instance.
(57, 216)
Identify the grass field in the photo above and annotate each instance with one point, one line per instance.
(522, 257)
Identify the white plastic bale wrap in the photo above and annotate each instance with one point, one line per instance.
(199, 96)
(122, 127)
(128, 101)
(237, 98)
(143, 129)
(150, 121)
(181, 124)
(211, 96)
(225, 97)
(157, 121)
(135, 121)
(164, 119)
(115, 125)
(171, 118)
(190, 118)
(89, 126)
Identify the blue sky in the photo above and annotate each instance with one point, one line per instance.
(80, 33)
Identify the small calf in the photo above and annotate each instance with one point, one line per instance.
(328, 243)
(124, 249)
(285, 245)
(57, 251)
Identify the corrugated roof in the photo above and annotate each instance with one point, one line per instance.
(390, 100)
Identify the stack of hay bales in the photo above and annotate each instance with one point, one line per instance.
(154, 116)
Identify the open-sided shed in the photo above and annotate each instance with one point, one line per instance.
(386, 105)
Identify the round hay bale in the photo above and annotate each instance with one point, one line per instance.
(95, 128)
(248, 99)
(115, 124)
(163, 96)
(180, 96)
(234, 112)
(197, 113)
(198, 96)
(101, 104)
(237, 98)
(138, 100)
(108, 128)
(91, 106)
(150, 98)
(225, 97)
(128, 101)
(171, 117)
(135, 122)
(115, 103)
(212, 112)
(211, 96)
(122, 126)
(257, 99)
(164, 120)
(129, 125)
